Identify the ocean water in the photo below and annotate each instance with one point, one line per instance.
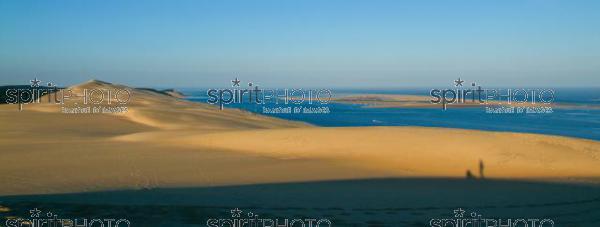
(572, 122)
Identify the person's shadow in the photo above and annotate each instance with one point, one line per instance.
(469, 174)
(481, 166)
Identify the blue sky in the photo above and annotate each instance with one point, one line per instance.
(331, 43)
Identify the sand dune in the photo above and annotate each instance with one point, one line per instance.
(163, 141)
(415, 151)
(423, 101)
(165, 112)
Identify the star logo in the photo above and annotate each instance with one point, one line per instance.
(459, 213)
(236, 213)
(236, 82)
(35, 82)
(458, 82)
(35, 213)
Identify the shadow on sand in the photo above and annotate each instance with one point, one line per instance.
(372, 202)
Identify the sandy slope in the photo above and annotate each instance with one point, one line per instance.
(166, 142)
(415, 151)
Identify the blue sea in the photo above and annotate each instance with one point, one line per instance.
(572, 122)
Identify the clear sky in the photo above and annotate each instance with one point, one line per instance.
(326, 43)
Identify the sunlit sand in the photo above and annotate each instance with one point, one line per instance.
(163, 141)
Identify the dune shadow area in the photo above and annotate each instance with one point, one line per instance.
(369, 202)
